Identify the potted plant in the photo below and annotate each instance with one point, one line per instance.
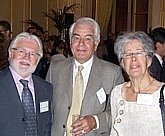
(58, 17)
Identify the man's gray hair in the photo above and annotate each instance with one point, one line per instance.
(90, 21)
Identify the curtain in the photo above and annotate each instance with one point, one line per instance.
(103, 13)
(100, 10)
(162, 13)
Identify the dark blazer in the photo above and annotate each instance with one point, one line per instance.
(155, 68)
(12, 122)
(103, 75)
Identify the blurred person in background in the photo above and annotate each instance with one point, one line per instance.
(157, 67)
(3, 52)
(5, 29)
(60, 52)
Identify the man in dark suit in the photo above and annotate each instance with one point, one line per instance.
(157, 67)
(25, 51)
(99, 77)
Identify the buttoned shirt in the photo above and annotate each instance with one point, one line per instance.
(19, 86)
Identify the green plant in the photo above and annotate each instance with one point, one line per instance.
(58, 17)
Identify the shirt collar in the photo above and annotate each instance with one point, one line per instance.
(86, 64)
(159, 58)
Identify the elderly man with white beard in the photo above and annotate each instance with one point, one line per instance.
(25, 98)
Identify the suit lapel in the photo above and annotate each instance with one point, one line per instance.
(94, 82)
(37, 87)
(68, 77)
(38, 95)
(155, 59)
(11, 89)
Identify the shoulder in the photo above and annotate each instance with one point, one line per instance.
(62, 62)
(106, 64)
(57, 57)
(116, 91)
(39, 81)
(155, 61)
(4, 73)
(108, 68)
(44, 88)
(59, 66)
(109, 71)
(119, 87)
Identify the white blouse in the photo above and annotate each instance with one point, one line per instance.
(132, 119)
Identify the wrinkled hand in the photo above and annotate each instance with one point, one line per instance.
(84, 125)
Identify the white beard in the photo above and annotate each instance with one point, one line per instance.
(24, 72)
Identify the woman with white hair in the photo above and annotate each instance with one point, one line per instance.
(135, 104)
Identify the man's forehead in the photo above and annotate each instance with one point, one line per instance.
(83, 29)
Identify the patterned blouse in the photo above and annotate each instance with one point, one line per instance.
(132, 119)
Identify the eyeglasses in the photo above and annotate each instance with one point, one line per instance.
(23, 52)
(137, 54)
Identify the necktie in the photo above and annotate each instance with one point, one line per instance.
(29, 112)
(76, 98)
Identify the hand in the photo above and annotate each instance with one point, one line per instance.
(84, 125)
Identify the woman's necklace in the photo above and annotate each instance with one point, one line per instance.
(143, 90)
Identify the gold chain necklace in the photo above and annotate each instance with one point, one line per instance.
(142, 91)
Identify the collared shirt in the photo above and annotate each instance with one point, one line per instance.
(159, 58)
(19, 86)
(85, 73)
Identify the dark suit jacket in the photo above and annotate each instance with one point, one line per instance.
(155, 68)
(102, 75)
(12, 122)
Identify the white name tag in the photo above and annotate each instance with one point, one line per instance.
(101, 95)
(44, 106)
(145, 99)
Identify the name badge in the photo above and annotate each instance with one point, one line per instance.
(101, 95)
(145, 99)
(44, 106)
